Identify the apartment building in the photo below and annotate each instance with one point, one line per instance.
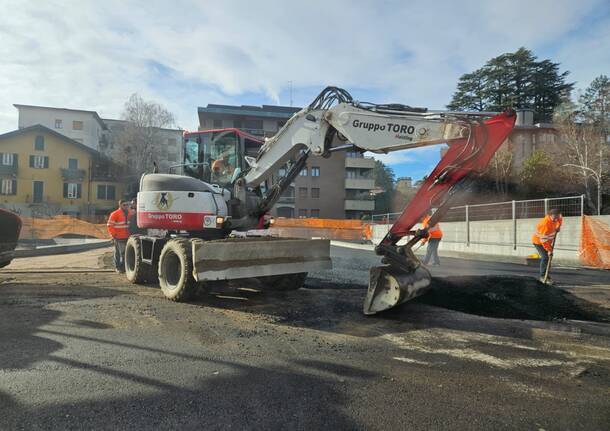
(336, 187)
(108, 136)
(84, 127)
(44, 173)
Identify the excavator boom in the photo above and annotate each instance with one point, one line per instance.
(473, 139)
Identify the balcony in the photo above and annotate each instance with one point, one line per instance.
(286, 200)
(8, 170)
(359, 183)
(359, 205)
(73, 174)
(360, 162)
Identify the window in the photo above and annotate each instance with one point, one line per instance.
(303, 172)
(172, 157)
(39, 143)
(9, 187)
(315, 213)
(254, 124)
(8, 159)
(315, 171)
(58, 124)
(171, 142)
(315, 193)
(280, 124)
(281, 172)
(73, 164)
(218, 124)
(39, 162)
(72, 190)
(302, 212)
(105, 192)
(77, 125)
(237, 124)
(303, 192)
(353, 155)
(38, 191)
(351, 173)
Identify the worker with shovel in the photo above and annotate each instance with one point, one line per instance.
(544, 241)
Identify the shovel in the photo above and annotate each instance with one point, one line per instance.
(548, 264)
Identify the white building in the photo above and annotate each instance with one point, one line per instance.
(85, 127)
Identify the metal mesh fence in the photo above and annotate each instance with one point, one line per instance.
(534, 208)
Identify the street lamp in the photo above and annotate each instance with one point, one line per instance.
(598, 178)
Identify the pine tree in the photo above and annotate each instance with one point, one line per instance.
(515, 80)
(595, 103)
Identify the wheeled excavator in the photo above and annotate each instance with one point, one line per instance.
(198, 221)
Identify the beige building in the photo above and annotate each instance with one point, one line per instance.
(337, 187)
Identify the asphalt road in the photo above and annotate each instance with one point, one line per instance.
(86, 350)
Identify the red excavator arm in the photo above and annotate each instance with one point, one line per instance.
(402, 277)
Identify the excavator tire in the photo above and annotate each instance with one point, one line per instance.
(136, 271)
(176, 270)
(284, 283)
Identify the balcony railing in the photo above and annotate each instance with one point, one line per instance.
(360, 162)
(359, 183)
(8, 170)
(73, 174)
(359, 205)
(286, 199)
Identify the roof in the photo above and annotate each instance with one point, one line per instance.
(230, 129)
(42, 129)
(95, 114)
(112, 120)
(266, 111)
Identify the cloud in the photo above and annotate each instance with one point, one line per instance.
(185, 54)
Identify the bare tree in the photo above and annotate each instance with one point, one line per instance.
(500, 169)
(584, 152)
(141, 140)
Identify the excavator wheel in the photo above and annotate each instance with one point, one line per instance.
(176, 270)
(283, 283)
(136, 271)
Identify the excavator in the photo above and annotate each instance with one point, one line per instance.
(199, 222)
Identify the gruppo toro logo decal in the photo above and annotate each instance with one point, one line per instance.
(164, 200)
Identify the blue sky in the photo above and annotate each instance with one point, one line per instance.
(184, 54)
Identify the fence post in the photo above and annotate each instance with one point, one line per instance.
(546, 206)
(467, 227)
(582, 205)
(514, 207)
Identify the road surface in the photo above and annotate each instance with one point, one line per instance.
(82, 349)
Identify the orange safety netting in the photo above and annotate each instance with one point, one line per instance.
(324, 228)
(595, 243)
(49, 228)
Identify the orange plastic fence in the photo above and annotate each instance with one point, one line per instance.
(40, 228)
(595, 243)
(324, 228)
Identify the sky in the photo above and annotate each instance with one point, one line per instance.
(183, 54)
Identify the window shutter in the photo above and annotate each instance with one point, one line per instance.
(78, 190)
(14, 189)
(15, 156)
(110, 192)
(46, 162)
(31, 161)
(65, 190)
(1, 158)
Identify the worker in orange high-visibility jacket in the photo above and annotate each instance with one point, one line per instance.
(543, 238)
(118, 228)
(435, 234)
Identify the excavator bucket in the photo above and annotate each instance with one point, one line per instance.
(390, 286)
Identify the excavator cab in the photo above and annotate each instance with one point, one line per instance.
(217, 156)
